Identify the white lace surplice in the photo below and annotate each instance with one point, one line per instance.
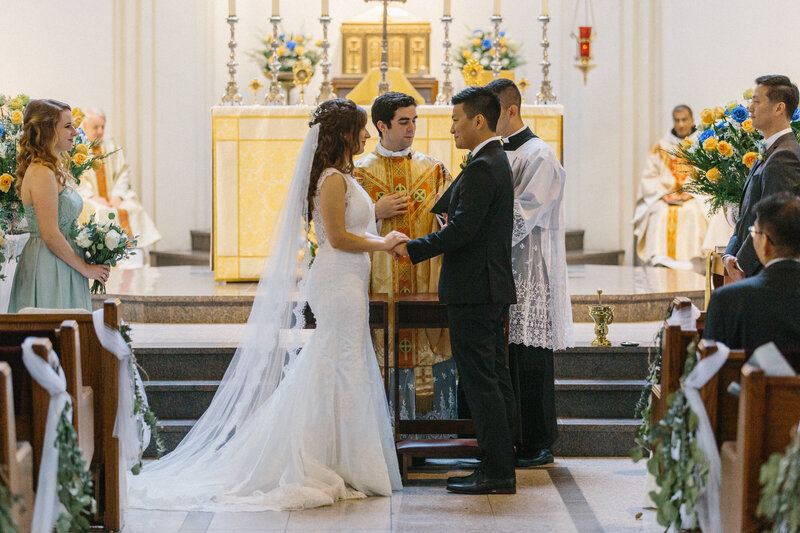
(542, 315)
(325, 433)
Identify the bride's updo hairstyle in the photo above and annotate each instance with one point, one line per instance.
(340, 123)
(37, 144)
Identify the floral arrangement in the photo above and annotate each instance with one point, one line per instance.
(780, 492)
(479, 48)
(7, 499)
(103, 243)
(723, 152)
(75, 486)
(293, 48)
(12, 110)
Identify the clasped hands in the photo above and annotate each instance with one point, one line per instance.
(395, 243)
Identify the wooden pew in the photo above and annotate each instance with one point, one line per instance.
(16, 458)
(722, 407)
(769, 409)
(100, 371)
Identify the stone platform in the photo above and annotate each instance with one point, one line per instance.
(189, 294)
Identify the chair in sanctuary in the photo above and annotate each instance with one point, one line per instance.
(769, 410)
(16, 458)
(100, 370)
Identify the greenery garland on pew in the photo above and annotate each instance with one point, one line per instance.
(7, 522)
(780, 492)
(139, 405)
(678, 464)
(75, 486)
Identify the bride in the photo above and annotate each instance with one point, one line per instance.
(291, 427)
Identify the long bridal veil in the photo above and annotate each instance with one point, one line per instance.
(270, 342)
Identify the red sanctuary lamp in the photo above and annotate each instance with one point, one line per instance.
(583, 61)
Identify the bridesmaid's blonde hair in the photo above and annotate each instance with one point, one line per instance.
(37, 144)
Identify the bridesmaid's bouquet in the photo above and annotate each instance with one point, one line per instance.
(103, 243)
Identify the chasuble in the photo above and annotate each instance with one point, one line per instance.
(422, 177)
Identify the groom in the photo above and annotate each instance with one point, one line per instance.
(477, 285)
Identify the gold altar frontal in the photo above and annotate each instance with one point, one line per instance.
(255, 148)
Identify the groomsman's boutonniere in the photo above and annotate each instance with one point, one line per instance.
(761, 149)
(465, 160)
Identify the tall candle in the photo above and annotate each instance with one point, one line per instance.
(446, 8)
(544, 7)
(496, 7)
(326, 8)
(231, 8)
(275, 11)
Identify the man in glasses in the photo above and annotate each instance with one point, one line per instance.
(764, 307)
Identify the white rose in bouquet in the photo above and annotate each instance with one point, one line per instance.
(83, 240)
(2, 238)
(112, 239)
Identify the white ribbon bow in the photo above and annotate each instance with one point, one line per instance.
(130, 429)
(51, 377)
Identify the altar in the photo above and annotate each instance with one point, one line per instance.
(254, 150)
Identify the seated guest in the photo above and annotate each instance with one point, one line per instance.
(764, 307)
(108, 189)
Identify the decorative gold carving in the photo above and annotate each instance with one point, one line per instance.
(397, 47)
(472, 72)
(302, 72)
(353, 54)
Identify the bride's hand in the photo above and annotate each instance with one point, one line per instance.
(392, 239)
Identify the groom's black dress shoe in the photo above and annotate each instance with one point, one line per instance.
(478, 483)
(538, 458)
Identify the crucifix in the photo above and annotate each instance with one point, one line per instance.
(383, 85)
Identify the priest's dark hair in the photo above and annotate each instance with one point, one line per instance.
(480, 101)
(507, 91)
(778, 217)
(340, 124)
(781, 89)
(682, 107)
(385, 106)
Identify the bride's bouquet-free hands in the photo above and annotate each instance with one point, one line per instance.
(103, 243)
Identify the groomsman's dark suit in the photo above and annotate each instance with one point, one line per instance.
(757, 310)
(477, 285)
(778, 172)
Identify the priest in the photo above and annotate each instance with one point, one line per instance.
(541, 320)
(405, 184)
(108, 188)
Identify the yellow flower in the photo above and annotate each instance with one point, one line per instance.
(748, 94)
(465, 54)
(707, 116)
(719, 112)
(710, 144)
(713, 174)
(725, 148)
(730, 105)
(81, 149)
(5, 182)
(319, 42)
(503, 41)
(79, 159)
(476, 41)
(298, 50)
(298, 39)
(15, 103)
(747, 126)
(96, 164)
(749, 158)
(16, 117)
(281, 50)
(77, 116)
(686, 143)
(503, 50)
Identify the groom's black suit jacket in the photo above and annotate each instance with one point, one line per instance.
(476, 243)
(780, 171)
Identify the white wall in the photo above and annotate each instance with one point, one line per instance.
(157, 66)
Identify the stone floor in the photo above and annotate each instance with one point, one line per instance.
(572, 495)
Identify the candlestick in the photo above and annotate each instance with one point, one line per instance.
(545, 7)
(496, 7)
(276, 95)
(326, 8)
(276, 11)
(497, 66)
(446, 12)
(383, 85)
(545, 94)
(231, 8)
(232, 95)
(326, 89)
(445, 95)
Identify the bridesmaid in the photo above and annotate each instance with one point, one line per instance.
(50, 272)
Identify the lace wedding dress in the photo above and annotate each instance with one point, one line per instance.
(324, 433)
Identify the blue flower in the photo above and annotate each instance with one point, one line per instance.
(82, 139)
(486, 44)
(1, 129)
(739, 114)
(706, 134)
(795, 116)
(291, 45)
(722, 125)
(281, 36)
(502, 34)
(477, 33)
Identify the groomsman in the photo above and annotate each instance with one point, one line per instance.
(774, 102)
(477, 285)
(541, 320)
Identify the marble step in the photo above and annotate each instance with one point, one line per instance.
(201, 240)
(595, 257)
(180, 258)
(578, 437)
(198, 363)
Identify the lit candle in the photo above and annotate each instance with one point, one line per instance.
(544, 7)
(496, 7)
(325, 8)
(275, 10)
(231, 8)
(446, 8)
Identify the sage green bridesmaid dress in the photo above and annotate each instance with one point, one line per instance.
(42, 279)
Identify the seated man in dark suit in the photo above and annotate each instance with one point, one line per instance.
(765, 307)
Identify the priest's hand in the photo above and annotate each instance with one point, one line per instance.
(732, 268)
(400, 250)
(393, 204)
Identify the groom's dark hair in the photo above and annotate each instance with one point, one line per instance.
(781, 89)
(480, 101)
(385, 106)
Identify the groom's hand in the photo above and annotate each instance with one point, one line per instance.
(400, 250)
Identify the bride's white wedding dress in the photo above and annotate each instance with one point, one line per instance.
(324, 433)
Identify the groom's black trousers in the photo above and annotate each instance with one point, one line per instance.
(477, 338)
